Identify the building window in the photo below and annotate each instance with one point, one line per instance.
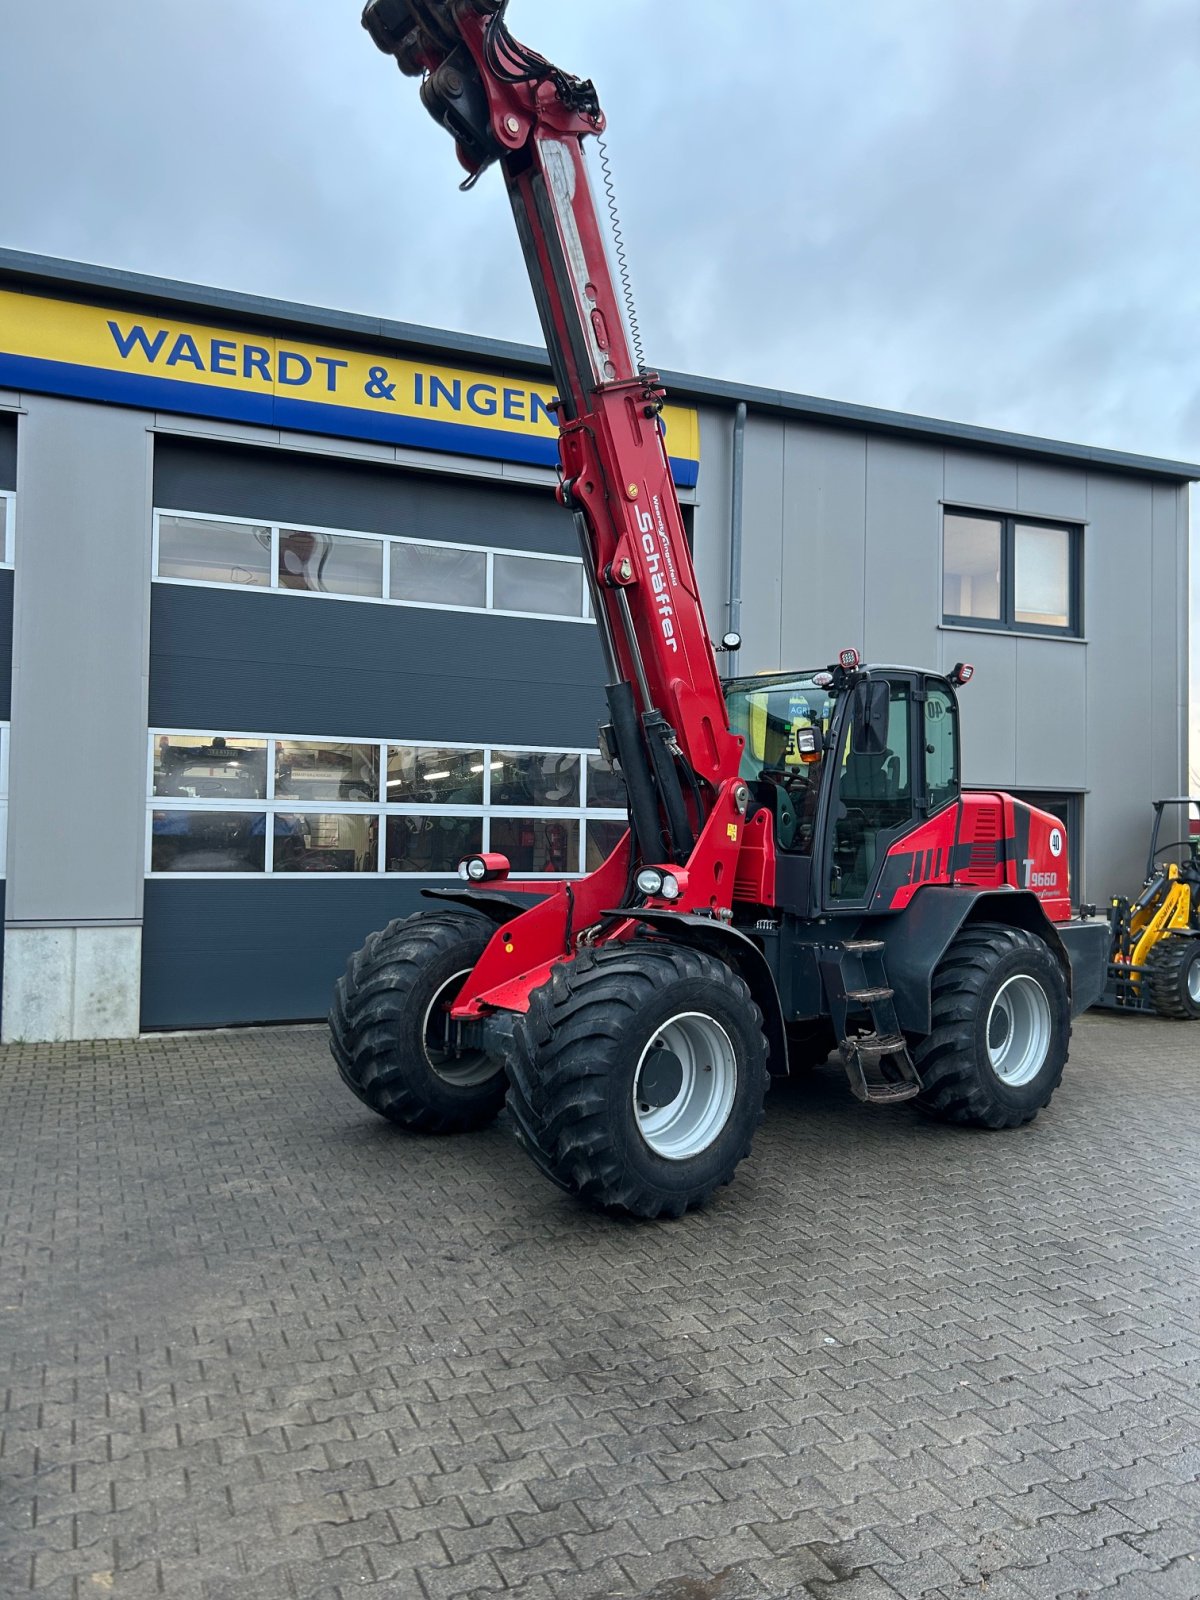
(8, 507)
(255, 804)
(238, 553)
(1011, 573)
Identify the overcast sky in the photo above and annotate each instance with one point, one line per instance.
(985, 210)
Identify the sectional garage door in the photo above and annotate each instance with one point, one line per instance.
(357, 674)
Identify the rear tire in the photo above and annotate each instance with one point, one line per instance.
(1172, 978)
(388, 1022)
(1001, 1030)
(637, 1077)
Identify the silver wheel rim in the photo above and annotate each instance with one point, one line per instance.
(694, 1118)
(1018, 1032)
(462, 1068)
(1193, 979)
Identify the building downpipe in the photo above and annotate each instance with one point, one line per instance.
(735, 530)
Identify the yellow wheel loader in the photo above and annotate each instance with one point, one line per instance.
(1154, 963)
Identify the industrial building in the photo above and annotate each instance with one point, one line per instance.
(291, 620)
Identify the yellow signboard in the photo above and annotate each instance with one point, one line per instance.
(167, 364)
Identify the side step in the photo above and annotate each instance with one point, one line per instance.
(861, 1003)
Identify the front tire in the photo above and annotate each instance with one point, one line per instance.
(637, 1077)
(389, 1031)
(1172, 978)
(1001, 1030)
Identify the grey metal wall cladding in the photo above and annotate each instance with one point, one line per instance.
(6, 639)
(217, 953)
(280, 663)
(8, 452)
(241, 481)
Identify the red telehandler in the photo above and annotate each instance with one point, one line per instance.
(802, 870)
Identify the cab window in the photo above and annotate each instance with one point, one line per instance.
(874, 799)
(941, 746)
(771, 715)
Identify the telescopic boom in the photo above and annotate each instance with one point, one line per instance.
(504, 105)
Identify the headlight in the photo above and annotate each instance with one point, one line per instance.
(670, 887)
(649, 881)
(483, 869)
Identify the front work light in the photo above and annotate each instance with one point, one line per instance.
(849, 659)
(484, 869)
(656, 883)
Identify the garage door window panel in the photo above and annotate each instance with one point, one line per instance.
(7, 506)
(426, 842)
(428, 775)
(537, 844)
(529, 585)
(206, 551)
(605, 785)
(325, 842)
(441, 575)
(208, 841)
(330, 563)
(603, 837)
(534, 777)
(218, 769)
(311, 770)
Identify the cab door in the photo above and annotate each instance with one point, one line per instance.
(874, 795)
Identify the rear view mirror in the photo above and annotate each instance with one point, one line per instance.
(869, 728)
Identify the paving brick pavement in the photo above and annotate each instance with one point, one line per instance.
(255, 1343)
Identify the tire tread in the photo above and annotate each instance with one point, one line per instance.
(371, 1004)
(953, 1087)
(570, 1040)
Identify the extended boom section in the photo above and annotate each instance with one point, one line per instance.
(507, 106)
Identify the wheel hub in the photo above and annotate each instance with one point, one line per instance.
(683, 1088)
(661, 1079)
(450, 1056)
(1019, 1029)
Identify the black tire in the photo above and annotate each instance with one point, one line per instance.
(574, 1062)
(1172, 978)
(809, 1045)
(960, 1083)
(377, 1025)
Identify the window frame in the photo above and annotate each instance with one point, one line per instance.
(5, 740)
(1006, 622)
(387, 540)
(9, 496)
(381, 809)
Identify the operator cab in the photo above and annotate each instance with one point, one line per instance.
(846, 762)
